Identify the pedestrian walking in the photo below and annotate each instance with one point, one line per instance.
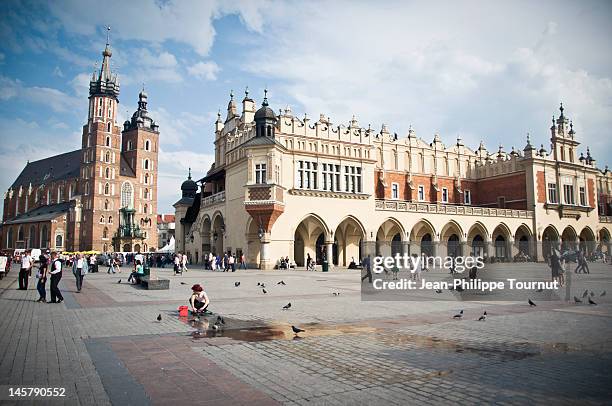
(41, 275)
(232, 262)
(79, 270)
(56, 276)
(243, 262)
(184, 263)
(367, 265)
(24, 271)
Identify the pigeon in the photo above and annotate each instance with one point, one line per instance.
(196, 318)
(258, 283)
(119, 281)
(335, 293)
(540, 290)
(183, 283)
(531, 303)
(215, 327)
(159, 317)
(458, 315)
(236, 284)
(264, 291)
(602, 293)
(576, 300)
(297, 330)
(592, 302)
(263, 285)
(483, 317)
(586, 292)
(287, 306)
(592, 294)
(281, 283)
(438, 290)
(220, 319)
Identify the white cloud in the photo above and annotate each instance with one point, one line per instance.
(204, 70)
(458, 69)
(188, 22)
(55, 99)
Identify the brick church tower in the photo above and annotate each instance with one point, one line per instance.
(100, 164)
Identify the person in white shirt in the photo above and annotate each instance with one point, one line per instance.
(24, 272)
(93, 263)
(56, 276)
(184, 263)
(177, 264)
(79, 269)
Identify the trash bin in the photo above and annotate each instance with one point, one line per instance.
(325, 266)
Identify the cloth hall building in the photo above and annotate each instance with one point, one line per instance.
(287, 186)
(102, 196)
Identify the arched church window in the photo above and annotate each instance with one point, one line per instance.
(107, 157)
(146, 164)
(147, 145)
(127, 195)
(107, 189)
(108, 139)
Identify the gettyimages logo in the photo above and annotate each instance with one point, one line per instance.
(417, 263)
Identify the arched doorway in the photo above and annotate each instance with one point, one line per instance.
(32, 237)
(587, 241)
(604, 238)
(422, 239)
(44, 237)
(568, 239)
(389, 238)
(501, 237)
(127, 248)
(253, 244)
(349, 236)
(450, 236)
(137, 248)
(205, 234)
(477, 239)
(550, 241)
(309, 240)
(218, 233)
(523, 241)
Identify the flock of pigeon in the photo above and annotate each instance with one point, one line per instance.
(220, 322)
(586, 294)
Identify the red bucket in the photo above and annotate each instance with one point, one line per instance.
(183, 311)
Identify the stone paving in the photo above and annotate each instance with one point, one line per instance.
(105, 346)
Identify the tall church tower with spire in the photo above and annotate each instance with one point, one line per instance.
(101, 157)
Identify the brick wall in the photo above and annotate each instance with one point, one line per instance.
(591, 192)
(541, 187)
(511, 187)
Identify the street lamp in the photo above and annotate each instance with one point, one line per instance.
(260, 232)
(222, 228)
(215, 236)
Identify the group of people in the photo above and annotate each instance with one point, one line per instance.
(49, 268)
(225, 263)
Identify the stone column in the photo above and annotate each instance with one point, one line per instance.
(405, 247)
(489, 250)
(264, 260)
(434, 248)
(329, 253)
(369, 248)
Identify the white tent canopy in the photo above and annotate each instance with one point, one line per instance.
(168, 248)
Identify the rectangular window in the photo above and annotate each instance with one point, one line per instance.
(552, 193)
(582, 196)
(444, 195)
(568, 194)
(421, 193)
(352, 178)
(467, 197)
(307, 175)
(394, 191)
(260, 173)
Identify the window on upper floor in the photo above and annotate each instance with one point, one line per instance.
(582, 196)
(568, 194)
(260, 173)
(394, 191)
(552, 193)
(467, 197)
(421, 193)
(331, 177)
(147, 145)
(352, 179)
(444, 195)
(307, 175)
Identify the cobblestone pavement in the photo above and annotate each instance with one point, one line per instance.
(105, 346)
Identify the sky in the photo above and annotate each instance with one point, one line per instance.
(479, 70)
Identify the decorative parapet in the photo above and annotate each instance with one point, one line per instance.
(395, 205)
(213, 199)
(264, 193)
(324, 193)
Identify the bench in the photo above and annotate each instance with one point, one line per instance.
(154, 284)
